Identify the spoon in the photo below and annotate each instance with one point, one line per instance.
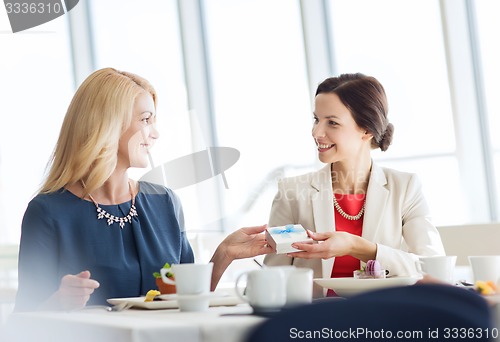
(120, 307)
(465, 283)
(258, 263)
(115, 308)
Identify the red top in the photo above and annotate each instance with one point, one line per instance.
(351, 204)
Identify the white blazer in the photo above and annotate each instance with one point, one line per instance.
(396, 218)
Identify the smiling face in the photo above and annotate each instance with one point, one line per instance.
(140, 136)
(337, 136)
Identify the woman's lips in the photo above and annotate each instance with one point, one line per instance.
(147, 147)
(324, 147)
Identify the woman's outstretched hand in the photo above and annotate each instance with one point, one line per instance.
(246, 243)
(331, 244)
(243, 243)
(334, 244)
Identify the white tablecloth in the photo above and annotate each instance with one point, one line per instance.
(218, 324)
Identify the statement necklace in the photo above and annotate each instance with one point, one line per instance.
(101, 213)
(346, 215)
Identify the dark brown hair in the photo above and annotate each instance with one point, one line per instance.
(365, 98)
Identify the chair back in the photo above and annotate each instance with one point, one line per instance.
(473, 239)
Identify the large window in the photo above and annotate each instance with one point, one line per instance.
(261, 99)
(489, 51)
(386, 39)
(259, 92)
(143, 38)
(36, 84)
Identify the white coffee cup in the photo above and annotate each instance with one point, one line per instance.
(485, 267)
(266, 288)
(299, 286)
(440, 267)
(192, 283)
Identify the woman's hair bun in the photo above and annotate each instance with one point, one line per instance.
(386, 139)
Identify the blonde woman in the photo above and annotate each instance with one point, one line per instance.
(354, 208)
(93, 233)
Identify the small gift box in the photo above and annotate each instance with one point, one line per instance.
(281, 238)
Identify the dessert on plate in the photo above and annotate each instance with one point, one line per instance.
(150, 296)
(485, 287)
(372, 270)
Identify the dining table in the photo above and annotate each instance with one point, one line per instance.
(95, 324)
(227, 319)
(231, 323)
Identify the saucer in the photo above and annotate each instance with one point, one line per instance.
(265, 312)
(194, 303)
(191, 302)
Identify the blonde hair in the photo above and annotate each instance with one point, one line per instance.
(100, 111)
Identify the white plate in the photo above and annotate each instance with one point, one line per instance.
(171, 303)
(347, 287)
